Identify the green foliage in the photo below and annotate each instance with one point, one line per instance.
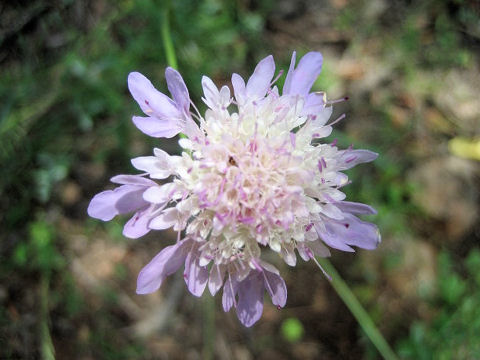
(39, 252)
(453, 331)
(292, 329)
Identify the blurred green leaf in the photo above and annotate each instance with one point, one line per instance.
(292, 329)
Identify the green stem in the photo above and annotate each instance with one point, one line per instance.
(167, 41)
(167, 37)
(208, 350)
(357, 310)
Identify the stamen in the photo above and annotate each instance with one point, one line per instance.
(338, 100)
(342, 185)
(231, 288)
(309, 253)
(280, 73)
(256, 265)
(196, 109)
(341, 117)
(320, 166)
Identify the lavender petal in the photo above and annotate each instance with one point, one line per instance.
(151, 101)
(250, 299)
(301, 79)
(196, 276)
(107, 204)
(178, 89)
(259, 82)
(154, 127)
(164, 264)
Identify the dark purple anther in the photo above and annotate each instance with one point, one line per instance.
(324, 163)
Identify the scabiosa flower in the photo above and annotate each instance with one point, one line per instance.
(254, 175)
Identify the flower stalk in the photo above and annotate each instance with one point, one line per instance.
(357, 310)
(167, 37)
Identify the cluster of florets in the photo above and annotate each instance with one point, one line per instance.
(253, 176)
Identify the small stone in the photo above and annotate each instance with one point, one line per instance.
(71, 193)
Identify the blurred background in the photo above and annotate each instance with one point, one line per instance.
(67, 282)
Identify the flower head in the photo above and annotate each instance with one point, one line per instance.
(253, 176)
